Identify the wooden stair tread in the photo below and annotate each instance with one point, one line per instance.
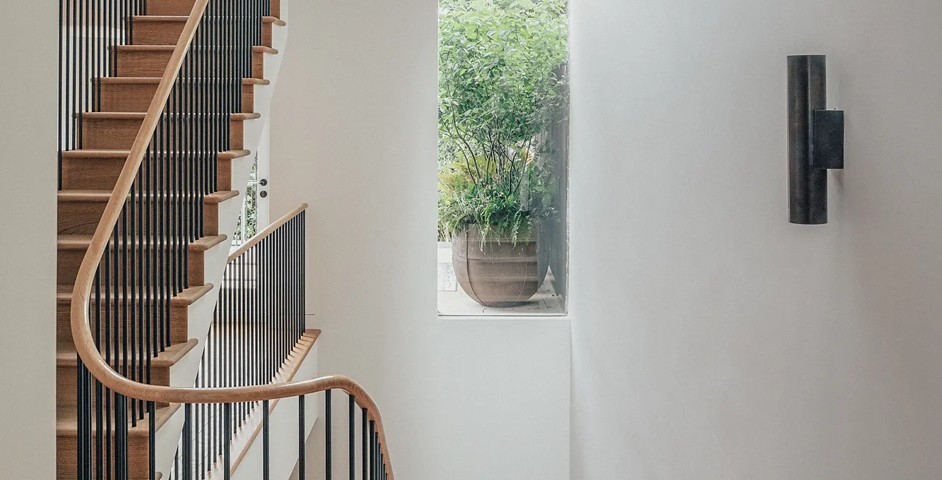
(166, 359)
(110, 154)
(66, 425)
(183, 19)
(219, 197)
(170, 48)
(82, 242)
(98, 196)
(141, 115)
(187, 297)
(156, 80)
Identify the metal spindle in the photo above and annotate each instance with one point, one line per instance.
(352, 437)
(302, 440)
(328, 433)
(266, 441)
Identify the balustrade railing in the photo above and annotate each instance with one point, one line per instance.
(144, 259)
(137, 261)
(258, 322)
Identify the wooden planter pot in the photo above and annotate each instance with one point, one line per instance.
(496, 272)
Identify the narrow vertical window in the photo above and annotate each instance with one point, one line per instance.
(503, 157)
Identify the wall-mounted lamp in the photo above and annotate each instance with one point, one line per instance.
(815, 139)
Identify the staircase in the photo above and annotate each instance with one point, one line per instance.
(173, 352)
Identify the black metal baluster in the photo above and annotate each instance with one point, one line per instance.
(121, 437)
(227, 421)
(188, 442)
(63, 86)
(99, 415)
(266, 442)
(152, 440)
(352, 436)
(130, 278)
(301, 439)
(372, 451)
(83, 425)
(328, 435)
(115, 348)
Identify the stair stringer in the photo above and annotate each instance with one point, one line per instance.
(283, 431)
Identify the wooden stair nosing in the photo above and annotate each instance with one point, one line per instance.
(66, 425)
(184, 298)
(236, 117)
(99, 196)
(82, 242)
(156, 80)
(109, 154)
(165, 359)
(183, 19)
(170, 48)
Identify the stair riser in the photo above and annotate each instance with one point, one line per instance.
(267, 29)
(258, 65)
(82, 218)
(151, 32)
(136, 97)
(69, 260)
(126, 97)
(248, 98)
(119, 133)
(138, 458)
(91, 173)
(64, 343)
(66, 382)
(183, 7)
(153, 63)
(170, 7)
(142, 63)
(102, 173)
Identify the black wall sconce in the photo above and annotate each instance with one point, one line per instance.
(815, 140)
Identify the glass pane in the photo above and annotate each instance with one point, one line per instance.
(503, 157)
(248, 219)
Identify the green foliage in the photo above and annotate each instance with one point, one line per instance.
(500, 90)
(249, 220)
(508, 204)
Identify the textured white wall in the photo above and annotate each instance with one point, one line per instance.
(354, 134)
(711, 339)
(28, 241)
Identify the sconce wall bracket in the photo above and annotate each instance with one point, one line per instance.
(815, 139)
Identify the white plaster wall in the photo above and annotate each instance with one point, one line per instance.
(354, 132)
(711, 339)
(28, 241)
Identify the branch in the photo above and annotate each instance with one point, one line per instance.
(459, 136)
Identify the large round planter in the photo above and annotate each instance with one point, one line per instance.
(496, 272)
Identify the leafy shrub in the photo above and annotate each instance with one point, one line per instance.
(500, 90)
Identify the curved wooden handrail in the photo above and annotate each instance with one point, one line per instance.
(266, 232)
(81, 295)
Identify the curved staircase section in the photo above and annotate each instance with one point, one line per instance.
(172, 358)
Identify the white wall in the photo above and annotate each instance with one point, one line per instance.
(354, 134)
(711, 339)
(28, 241)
